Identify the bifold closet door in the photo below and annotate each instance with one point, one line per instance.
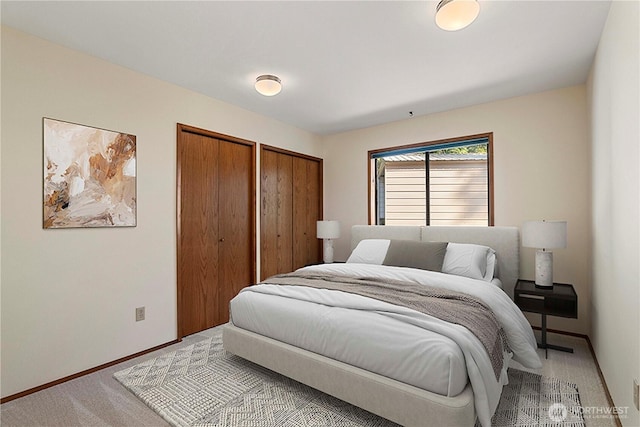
(198, 262)
(306, 211)
(216, 226)
(290, 204)
(276, 213)
(235, 223)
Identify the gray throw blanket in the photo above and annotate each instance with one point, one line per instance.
(450, 306)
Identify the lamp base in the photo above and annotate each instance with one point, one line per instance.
(328, 251)
(544, 269)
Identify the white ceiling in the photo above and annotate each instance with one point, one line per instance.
(344, 65)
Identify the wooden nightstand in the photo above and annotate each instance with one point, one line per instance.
(560, 300)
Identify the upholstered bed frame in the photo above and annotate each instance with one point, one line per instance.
(396, 401)
(504, 240)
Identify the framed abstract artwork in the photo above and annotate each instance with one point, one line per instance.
(89, 176)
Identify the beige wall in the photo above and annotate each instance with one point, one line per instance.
(614, 97)
(68, 296)
(541, 171)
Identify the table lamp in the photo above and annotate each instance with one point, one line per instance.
(328, 230)
(544, 235)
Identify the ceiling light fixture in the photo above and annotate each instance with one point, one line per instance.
(454, 15)
(268, 85)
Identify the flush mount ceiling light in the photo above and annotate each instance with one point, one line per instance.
(454, 15)
(268, 85)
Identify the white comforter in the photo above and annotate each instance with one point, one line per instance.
(486, 388)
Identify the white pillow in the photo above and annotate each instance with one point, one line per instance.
(474, 261)
(370, 251)
(491, 266)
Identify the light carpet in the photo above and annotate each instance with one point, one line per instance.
(203, 385)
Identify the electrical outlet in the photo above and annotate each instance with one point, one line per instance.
(636, 394)
(139, 314)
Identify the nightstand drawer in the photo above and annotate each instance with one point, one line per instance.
(561, 307)
(531, 303)
(560, 300)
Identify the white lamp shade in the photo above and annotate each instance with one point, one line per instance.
(328, 229)
(268, 85)
(454, 15)
(544, 234)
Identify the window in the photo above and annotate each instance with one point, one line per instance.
(447, 182)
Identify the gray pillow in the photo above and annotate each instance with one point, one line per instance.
(410, 253)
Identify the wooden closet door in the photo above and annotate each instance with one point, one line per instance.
(216, 225)
(276, 234)
(276, 193)
(235, 205)
(291, 203)
(198, 233)
(306, 211)
(284, 218)
(268, 213)
(314, 211)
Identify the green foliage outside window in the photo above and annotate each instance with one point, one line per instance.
(466, 149)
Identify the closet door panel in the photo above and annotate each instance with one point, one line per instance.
(284, 221)
(216, 225)
(314, 211)
(291, 203)
(268, 214)
(300, 213)
(198, 246)
(235, 205)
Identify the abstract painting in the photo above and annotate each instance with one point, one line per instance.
(89, 176)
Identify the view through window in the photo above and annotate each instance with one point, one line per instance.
(436, 183)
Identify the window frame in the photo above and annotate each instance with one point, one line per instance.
(371, 179)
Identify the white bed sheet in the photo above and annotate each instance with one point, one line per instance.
(368, 340)
(289, 316)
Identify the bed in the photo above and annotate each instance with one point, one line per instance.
(392, 360)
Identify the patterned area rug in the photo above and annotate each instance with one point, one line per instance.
(533, 400)
(202, 385)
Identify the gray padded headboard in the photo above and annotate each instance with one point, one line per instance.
(504, 240)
